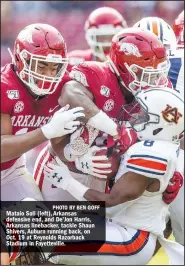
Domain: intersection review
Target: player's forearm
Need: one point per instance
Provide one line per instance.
(81, 192)
(77, 97)
(57, 147)
(13, 146)
(93, 195)
(4, 258)
(75, 94)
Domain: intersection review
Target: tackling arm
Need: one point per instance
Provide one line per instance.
(14, 146)
(62, 123)
(75, 94)
(129, 187)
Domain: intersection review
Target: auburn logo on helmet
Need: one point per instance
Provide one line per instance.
(171, 114)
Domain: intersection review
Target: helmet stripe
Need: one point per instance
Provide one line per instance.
(155, 27)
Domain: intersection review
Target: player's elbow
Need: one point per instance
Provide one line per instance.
(117, 199)
(4, 150)
(113, 200)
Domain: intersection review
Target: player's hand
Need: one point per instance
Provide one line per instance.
(92, 164)
(59, 175)
(173, 188)
(82, 139)
(63, 122)
(125, 138)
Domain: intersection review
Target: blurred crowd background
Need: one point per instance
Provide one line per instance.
(69, 18)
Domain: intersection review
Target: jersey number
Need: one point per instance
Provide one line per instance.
(148, 143)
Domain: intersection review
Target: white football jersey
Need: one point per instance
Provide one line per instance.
(154, 159)
(176, 72)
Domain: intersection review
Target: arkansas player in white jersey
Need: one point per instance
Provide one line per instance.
(102, 88)
(29, 101)
(135, 205)
(175, 50)
(101, 25)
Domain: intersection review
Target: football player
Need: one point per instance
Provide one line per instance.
(29, 116)
(137, 60)
(101, 25)
(176, 74)
(160, 28)
(135, 203)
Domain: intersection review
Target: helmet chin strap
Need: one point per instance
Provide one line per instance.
(11, 55)
(114, 70)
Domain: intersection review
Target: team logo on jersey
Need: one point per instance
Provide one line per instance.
(109, 105)
(13, 94)
(129, 49)
(171, 114)
(105, 91)
(19, 107)
(78, 76)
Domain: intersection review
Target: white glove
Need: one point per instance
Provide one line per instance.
(62, 123)
(80, 141)
(59, 175)
(93, 164)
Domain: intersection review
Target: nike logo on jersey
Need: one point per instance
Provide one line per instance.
(52, 109)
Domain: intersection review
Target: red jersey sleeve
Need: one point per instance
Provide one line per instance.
(86, 75)
(7, 97)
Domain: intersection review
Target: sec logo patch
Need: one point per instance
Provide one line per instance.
(19, 107)
(105, 91)
(108, 106)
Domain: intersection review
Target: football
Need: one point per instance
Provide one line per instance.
(114, 160)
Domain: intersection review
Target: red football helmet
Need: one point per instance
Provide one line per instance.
(178, 28)
(40, 43)
(101, 25)
(139, 59)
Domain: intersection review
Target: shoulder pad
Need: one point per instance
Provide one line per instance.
(83, 72)
(78, 76)
(147, 162)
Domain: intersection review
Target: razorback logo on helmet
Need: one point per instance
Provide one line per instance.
(25, 37)
(129, 49)
(171, 114)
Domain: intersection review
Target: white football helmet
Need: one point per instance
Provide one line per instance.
(162, 29)
(159, 115)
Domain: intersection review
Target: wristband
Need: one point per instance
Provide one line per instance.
(104, 123)
(76, 189)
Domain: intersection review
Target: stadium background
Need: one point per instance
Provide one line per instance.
(69, 18)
